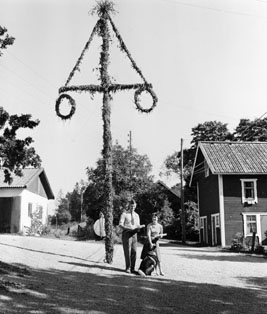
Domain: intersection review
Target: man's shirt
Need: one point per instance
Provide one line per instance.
(129, 220)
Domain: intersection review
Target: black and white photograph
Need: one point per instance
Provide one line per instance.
(133, 156)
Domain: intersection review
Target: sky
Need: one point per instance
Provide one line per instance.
(206, 60)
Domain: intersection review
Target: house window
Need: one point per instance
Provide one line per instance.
(30, 210)
(255, 222)
(251, 224)
(249, 191)
(39, 211)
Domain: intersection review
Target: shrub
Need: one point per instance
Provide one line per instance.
(259, 250)
(237, 242)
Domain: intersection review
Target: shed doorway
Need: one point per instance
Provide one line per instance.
(5, 214)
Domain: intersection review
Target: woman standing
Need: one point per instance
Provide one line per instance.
(154, 233)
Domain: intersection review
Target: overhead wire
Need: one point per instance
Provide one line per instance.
(223, 11)
(32, 70)
(44, 93)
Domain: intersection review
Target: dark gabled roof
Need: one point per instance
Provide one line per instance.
(29, 174)
(235, 157)
(174, 191)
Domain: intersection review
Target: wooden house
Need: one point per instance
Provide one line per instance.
(231, 181)
(22, 198)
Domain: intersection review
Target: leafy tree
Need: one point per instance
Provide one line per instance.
(255, 130)
(18, 153)
(5, 39)
(75, 201)
(130, 176)
(192, 215)
(166, 215)
(210, 131)
(207, 131)
(62, 215)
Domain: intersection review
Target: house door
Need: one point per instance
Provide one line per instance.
(215, 229)
(203, 230)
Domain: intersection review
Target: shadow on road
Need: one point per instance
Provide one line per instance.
(43, 252)
(53, 291)
(227, 257)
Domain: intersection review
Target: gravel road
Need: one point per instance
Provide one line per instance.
(44, 275)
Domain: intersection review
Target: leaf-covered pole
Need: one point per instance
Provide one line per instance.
(107, 139)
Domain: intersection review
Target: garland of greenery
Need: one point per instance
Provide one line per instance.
(72, 103)
(96, 88)
(124, 49)
(137, 99)
(79, 61)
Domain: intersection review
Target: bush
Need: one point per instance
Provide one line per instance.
(259, 250)
(237, 243)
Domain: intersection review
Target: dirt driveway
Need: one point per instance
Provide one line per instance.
(57, 276)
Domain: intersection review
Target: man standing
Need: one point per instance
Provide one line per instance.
(130, 224)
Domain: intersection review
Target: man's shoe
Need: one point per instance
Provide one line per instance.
(128, 271)
(134, 272)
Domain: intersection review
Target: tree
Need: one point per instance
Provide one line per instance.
(207, 131)
(5, 39)
(130, 176)
(62, 215)
(255, 130)
(75, 201)
(18, 153)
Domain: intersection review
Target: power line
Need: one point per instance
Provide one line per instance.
(223, 11)
(23, 79)
(32, 70)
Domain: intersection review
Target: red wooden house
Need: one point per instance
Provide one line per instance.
(231, 181)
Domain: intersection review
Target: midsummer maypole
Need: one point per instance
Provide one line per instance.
(103, 28)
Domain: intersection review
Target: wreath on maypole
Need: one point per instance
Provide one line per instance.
(137, 94)
(72, 104)
(104, 7)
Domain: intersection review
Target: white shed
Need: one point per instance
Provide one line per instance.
(22, 198)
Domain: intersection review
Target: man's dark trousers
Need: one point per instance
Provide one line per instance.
(129, 243)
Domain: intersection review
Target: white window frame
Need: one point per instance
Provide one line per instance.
(202, 219)
(217, 225)
(258, 224)
(249, 200)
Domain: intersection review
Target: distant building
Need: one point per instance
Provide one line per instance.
(22, 198)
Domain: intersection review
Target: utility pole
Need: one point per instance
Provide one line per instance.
(82, 191)
(130, 157)
(182, 194)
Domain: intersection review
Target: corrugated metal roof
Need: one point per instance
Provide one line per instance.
(20, 182)
(235, 157)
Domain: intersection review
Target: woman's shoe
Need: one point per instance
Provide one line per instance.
(141, 273)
